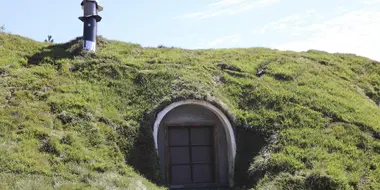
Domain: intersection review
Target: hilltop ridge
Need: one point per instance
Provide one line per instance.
(70, 119)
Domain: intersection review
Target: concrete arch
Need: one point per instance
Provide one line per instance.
(230, 136)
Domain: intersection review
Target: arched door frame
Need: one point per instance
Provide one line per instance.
(231, 143)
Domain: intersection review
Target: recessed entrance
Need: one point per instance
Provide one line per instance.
(196, 145)
(191, 155)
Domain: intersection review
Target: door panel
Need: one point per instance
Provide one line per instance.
(181, 174)
(202, 173)
(180, 155)
(178, 137)
(201, 155)
(201, 136)
(191, 155)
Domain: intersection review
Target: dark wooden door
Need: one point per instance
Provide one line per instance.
(190, 155)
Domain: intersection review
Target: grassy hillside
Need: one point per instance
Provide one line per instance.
(70, 119)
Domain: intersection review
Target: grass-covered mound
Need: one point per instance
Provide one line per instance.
(70, 119)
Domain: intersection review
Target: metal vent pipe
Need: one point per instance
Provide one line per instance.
(90, 19)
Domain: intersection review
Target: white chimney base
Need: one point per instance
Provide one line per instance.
(90, 46)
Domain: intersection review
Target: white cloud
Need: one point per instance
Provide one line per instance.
(280, 25)
(310, 11)
(284, 22)
(290, 22)
(227, 7)
(371, 2)
(226, 3)
(228, 39)
(355, 32)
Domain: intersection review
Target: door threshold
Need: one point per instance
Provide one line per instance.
(199, 187)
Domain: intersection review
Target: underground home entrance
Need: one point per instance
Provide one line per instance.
(196, 145)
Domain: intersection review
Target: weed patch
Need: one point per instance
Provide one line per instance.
(76, 120)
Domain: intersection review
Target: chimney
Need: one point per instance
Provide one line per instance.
(90, 19)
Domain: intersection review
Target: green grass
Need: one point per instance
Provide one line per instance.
(71, 119)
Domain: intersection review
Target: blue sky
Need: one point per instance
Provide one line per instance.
(347, 26)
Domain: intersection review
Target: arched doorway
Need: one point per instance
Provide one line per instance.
(196, 145)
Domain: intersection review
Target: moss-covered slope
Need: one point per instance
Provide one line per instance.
(69, 119)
